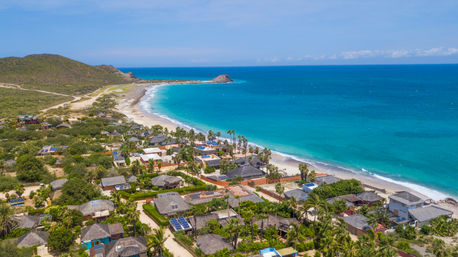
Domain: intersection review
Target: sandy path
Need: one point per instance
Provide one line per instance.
(26, 193)
(176, 249)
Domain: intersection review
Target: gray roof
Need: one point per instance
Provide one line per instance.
(213, 163)
(125, 247)
(245, 171)
(98, 231)
(133, 139)
(112, 181)
(298, 194)
(131, 178)
(428, 213)
(33, 238)
(58, 184)
(369, 197)
(253, 160)
(234, 202)
(165, 180)
(89, 208)
(326, 179)
(356, 221)
(211, 243)
(277, 221)
(63, 125)
(27, 221)
(406, 198)
(158, 139)
(171, 204)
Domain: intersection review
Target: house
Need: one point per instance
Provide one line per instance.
(144, 158)
(272, 252)
(223, 217)
(27, 221)
(328, 179)
(211, 243)
(216, 163)
(58, 184)
(282, 224)
(204, 150)
(100, 234)
(96, 209)
(251, 160)
(239, 193)
(133, 140)
(356, 224)
(115, 134)
(118, 159)
(308, 187)
(33, 238)
(422, 216)
(110, 183)
(166, 181)
(402, 202)
(245, 172)
(369, 197)
(158, 140)
(28, 119)
(126, 247)
(297, 194)
(352, 198)
(171, 204)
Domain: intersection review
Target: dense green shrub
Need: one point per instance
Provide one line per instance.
(153, 213)
(342, 187)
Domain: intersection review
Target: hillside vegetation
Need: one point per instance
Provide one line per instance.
(15, 101)
(58, 74)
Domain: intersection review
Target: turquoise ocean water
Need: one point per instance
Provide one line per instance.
(396, 121)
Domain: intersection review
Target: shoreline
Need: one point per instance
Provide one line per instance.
(131, 106)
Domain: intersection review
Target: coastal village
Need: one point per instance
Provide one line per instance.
(91, 182)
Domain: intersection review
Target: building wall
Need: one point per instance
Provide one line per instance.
(90, 244)
(402, 209)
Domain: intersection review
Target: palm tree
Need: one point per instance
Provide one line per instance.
(157, 240)
(6, 220)
(233, 229)
(313, 201)
(303, 168)
(247, 215)
(293, 204)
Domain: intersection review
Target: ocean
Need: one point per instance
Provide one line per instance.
(394, 121)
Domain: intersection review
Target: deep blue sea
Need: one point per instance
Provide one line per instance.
(397, 121)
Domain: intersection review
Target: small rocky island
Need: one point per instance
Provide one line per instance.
(224, 78)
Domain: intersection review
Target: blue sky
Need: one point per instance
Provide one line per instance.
(129, 33)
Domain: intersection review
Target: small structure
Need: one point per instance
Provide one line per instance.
(333, 199)
(180, 224)
(133, 140)
(166, 181)
(110, 183)
(211, 243)
(100, 234)
(126, 247)
(97, 209)
(146, 157)
(402, 202)
(298, 194)
(369, 197)
(352, 199)
(17, 202)
(205, 150)
(28, 119)
(52, 150)
(171, 204)
(245, 172)
(328, 179)
(308, 187)
(118, 159)
(282, 224)
(33, 238)
(204, 197)
(58, 184)
(356, 224)
(251, 160)
(422, 216)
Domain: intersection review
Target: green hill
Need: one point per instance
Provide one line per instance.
(58, 74)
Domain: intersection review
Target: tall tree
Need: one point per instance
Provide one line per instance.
(157, 240)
